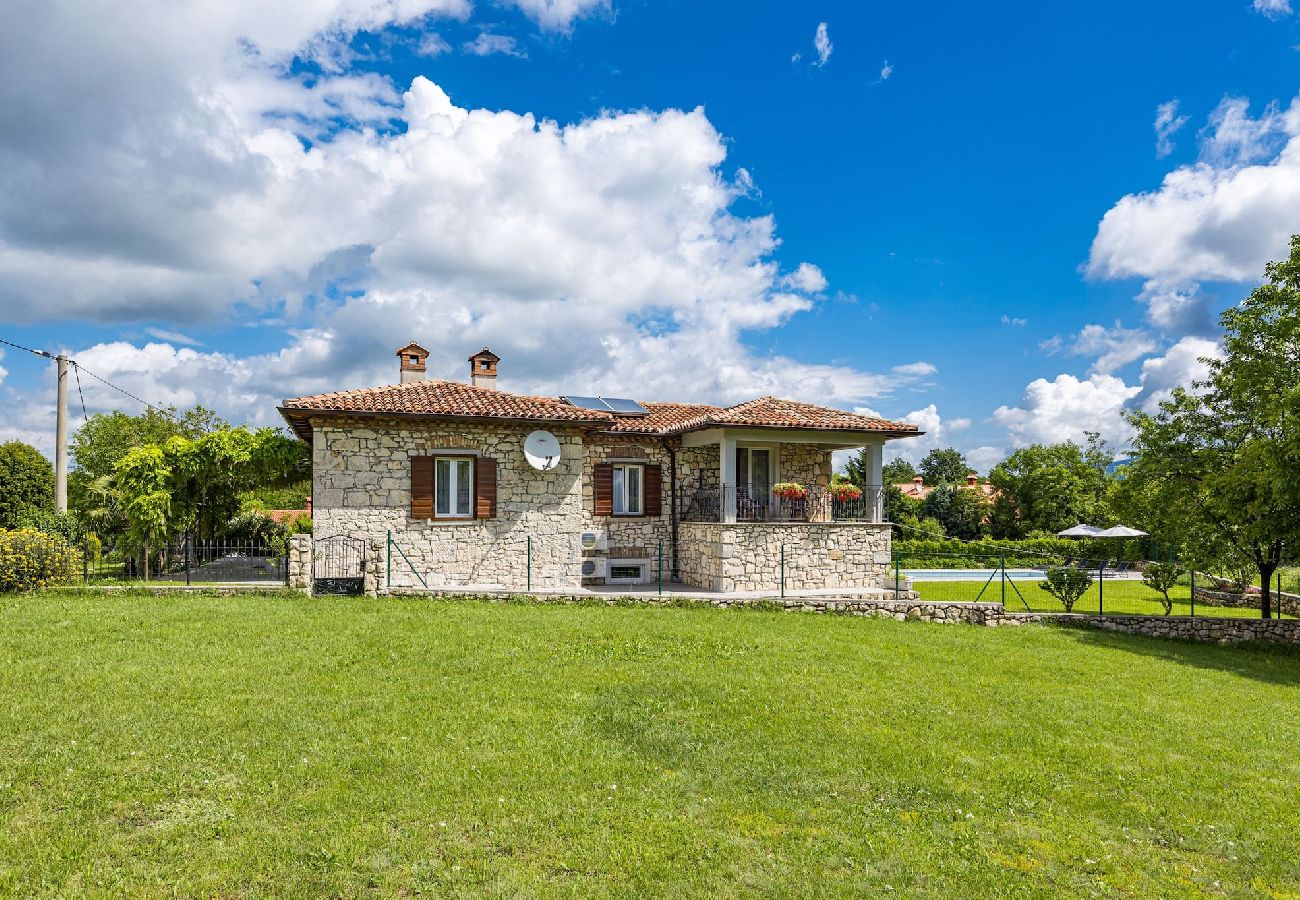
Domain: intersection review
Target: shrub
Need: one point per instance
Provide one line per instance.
(1160, 577)
(1066, 584)
(31, 560)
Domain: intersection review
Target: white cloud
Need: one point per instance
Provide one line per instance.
(1177, 309)
(1113, 348)
(1167, 124)
(432, 44)
(172, 337)
(982, 459)
(885, 71)
(806, 278)
(4, 373)
(558, 15)
(939, 432)
(1219, 219)
(1273, 8)
(1181, 366)
(1019, 323)
(488, 44)
(823, 45)
(1064, 408)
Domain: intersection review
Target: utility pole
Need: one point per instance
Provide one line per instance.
(61, 439)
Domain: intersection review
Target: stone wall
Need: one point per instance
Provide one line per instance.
(629, 537)
(1205, 630)
(804, 463)
(746, 556)
(1288, 603)
(299, 561)
(361, 488)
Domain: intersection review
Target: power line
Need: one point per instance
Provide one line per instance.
(124, 391)
(76, 370)
(44, 353)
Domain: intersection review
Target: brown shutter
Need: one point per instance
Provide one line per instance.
(422, 487)
(654, 491)
(603, 489)
(485, 488)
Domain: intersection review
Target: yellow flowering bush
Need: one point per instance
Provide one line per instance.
(31, 560)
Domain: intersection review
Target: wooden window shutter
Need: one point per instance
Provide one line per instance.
(485, 488)
(654, 491)
(422, 487)
(603, 489)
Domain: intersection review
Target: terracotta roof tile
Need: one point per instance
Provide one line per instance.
(446, 398)
(454, 399)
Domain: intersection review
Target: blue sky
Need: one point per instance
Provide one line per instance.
(1006, 222)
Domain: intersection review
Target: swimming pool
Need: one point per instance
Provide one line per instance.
(969, 574)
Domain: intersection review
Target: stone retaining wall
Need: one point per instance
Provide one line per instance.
(818, 555)
(1289, 603)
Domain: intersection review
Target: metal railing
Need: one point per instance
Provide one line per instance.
(719, 502)
(187, 561)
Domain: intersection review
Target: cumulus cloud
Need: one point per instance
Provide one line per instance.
(885, 71)
(1113, 347)
(558, 15)
(822, 44)
(1219, 219)
(983, 458)
(1183, 365)
(1167, 124)
(1177, 309)
(1017, 322)
(1064, 408)
(173, 337)
(1273, 8)
(939, 432)
(215, 184)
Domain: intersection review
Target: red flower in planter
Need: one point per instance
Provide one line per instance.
(790, 490)
(844, 492)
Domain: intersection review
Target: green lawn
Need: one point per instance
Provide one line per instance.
(1122, 596)
(257, 745)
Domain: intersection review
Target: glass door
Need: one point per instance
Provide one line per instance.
(753, 482)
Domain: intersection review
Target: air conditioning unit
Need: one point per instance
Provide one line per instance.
(594, 567)
(594, 539)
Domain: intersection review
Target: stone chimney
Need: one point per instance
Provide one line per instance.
(412, 357)
(483, 369)
(919, 481)
(309, 506)
(972, 480)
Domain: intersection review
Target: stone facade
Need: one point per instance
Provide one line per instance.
(362, 489)
(1288, 603)
(747, 556)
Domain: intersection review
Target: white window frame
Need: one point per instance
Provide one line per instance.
(453, 491)
(620, 492)
(642, 565)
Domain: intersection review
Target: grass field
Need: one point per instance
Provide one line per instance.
(1126, 596)
(257, 745)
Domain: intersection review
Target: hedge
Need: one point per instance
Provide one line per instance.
(31, 560)
(950, 553)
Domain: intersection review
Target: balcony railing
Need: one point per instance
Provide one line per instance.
(712, 503)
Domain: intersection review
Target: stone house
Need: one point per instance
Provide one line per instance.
(433, 477)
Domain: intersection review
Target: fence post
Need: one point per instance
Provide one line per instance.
(528, 575)
(1277, 602)
(1002, 564)
(388, 560)
(895, 576)
(188, 538)
(1101, 588)
(85, 560)
(783, 571)
(661, 567)
(1192, 576)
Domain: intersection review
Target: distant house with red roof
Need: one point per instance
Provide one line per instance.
(467, 485)
(917, 489)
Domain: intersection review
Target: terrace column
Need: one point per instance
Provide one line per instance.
(875, 481)
(727, 477)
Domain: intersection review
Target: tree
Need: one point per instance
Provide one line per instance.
(898, 471)
(99, 444)
(1220, 463)
(1048, 487)
(1066, 584)
(945, 466)
(1161, 577)
(960, 510)
(26, 482)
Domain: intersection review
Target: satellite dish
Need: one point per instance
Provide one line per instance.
(542, 451)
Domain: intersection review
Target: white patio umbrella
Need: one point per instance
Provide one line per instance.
(1120, 531)
(1080, 531)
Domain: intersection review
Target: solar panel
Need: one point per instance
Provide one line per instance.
(587, 403)
(625, 407)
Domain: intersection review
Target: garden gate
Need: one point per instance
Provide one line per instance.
(338, 565)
